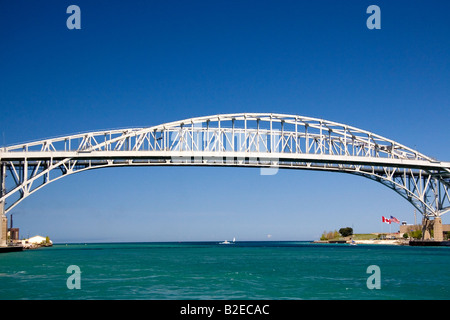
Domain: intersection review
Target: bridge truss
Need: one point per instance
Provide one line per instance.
(246, 140)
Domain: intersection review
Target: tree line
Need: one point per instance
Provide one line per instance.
(343, 232)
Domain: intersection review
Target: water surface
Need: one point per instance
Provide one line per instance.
(208, 270)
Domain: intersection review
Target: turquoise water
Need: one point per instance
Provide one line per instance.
(207, 270)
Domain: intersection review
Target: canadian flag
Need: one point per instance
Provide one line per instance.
(385, 220)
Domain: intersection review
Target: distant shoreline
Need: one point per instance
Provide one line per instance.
(368, 238)
(175, 242)
(398, 242)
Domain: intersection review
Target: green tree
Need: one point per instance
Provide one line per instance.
(345, 232)
(417, 234)
(327, 235)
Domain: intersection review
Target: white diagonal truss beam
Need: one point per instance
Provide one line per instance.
(247, 140)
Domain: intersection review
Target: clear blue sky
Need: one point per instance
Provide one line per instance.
(143, 63)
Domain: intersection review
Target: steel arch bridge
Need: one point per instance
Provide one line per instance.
(245, 140)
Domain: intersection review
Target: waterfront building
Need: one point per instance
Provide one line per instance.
(36, 241)
(408, 228)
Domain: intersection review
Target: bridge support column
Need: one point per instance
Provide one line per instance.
(438, 231)
(3, 225)
(3, 219)
(426, 226)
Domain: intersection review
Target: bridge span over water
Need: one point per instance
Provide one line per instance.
(264, 140)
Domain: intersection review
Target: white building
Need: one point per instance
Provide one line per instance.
(36, 240)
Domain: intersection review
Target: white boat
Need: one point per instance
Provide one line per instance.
(227, 242)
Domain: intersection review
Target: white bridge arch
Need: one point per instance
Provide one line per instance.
(244, 139)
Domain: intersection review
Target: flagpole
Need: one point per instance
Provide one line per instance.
(389, 227)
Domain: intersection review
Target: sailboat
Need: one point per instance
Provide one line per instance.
(227, 242)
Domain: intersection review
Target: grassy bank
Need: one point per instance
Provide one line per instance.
(357, 236)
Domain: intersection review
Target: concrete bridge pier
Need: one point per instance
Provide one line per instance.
(438, 230)
(436, 226)
(3, 219)
(3, 225)
(426, 227)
